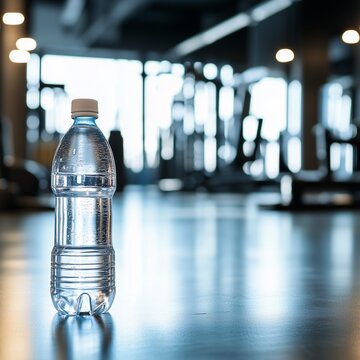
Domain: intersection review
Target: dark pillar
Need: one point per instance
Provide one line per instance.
(357, 85)
(2, 167)
(13, 80)
(314, 73)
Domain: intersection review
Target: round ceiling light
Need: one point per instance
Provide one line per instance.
(350, 37)
(284, 55)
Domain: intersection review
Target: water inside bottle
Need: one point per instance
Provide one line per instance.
(83, 279)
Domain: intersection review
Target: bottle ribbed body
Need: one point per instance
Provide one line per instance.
(82, 261)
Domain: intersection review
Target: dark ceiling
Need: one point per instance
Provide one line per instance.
(161, 29)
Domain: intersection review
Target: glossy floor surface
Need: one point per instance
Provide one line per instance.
(198, 276)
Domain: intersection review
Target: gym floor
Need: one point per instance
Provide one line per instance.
(198, 276)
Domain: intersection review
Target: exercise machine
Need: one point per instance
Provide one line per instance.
(325, 187)
(22, 182)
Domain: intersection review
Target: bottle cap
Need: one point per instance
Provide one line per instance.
(84, 107)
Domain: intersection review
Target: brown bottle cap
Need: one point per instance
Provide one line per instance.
(84, 107)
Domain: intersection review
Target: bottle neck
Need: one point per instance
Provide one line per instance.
(85, 120)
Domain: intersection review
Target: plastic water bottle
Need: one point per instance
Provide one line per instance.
(83, 179)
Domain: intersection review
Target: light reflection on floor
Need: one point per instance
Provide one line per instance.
(198, 275)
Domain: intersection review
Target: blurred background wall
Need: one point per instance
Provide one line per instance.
(188, 88)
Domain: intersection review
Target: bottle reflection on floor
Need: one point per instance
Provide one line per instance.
(85, 337)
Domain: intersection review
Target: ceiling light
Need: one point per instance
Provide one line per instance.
(229, 26)
(269, 8)
(213, 34)
(13, 18)
(350, 37)
(19, 56)
(27, 44)
(284, 55)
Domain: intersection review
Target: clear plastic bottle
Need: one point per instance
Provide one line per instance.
(83, 179)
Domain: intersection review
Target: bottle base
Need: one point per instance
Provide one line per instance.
(82, 279)
(82, 303)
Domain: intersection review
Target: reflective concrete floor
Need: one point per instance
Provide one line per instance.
(199, 276)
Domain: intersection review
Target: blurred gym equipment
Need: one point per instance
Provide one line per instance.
(117, 145)
(22, 182)
(236, 174)
(184, 149)
(5, 196)
(325, 187)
